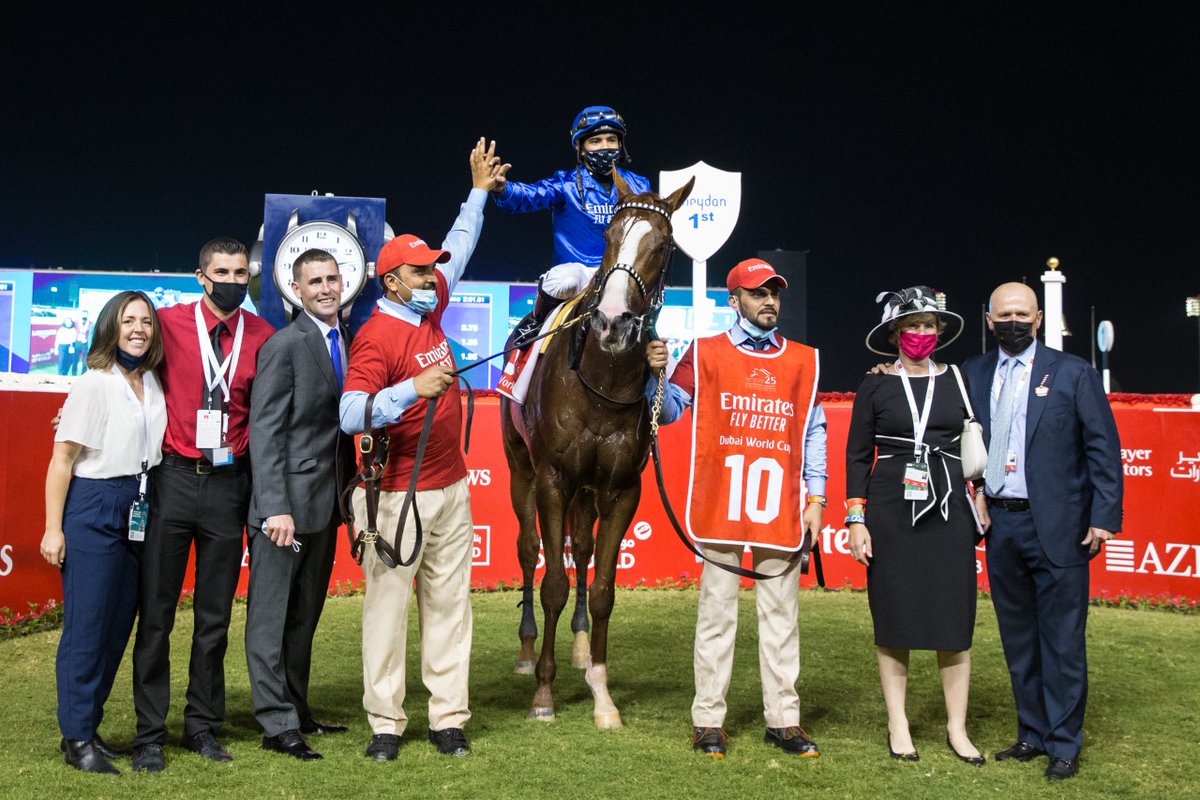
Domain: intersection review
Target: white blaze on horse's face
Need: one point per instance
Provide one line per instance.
(614, 302)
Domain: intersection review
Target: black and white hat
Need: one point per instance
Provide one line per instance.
(913, 300)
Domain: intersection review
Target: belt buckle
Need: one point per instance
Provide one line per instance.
(203, 468)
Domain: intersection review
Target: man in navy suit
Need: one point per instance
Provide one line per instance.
(1053, 496)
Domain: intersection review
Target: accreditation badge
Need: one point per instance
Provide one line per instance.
(208, 428)
(139, 519)
(916, 481)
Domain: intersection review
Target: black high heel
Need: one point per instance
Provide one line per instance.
(913, 756)
(974, 761)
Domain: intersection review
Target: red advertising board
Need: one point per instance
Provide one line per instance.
(1157, 554)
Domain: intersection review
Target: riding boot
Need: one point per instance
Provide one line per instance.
(531, 324)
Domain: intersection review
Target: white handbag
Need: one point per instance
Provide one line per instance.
(972, 450)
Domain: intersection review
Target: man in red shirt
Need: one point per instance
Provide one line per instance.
(402, 357)
(199, 494)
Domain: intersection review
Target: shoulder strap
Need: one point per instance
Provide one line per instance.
(962, 388)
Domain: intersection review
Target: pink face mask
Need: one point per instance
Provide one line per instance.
(917, 346)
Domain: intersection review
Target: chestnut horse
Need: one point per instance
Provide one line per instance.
(577, 446)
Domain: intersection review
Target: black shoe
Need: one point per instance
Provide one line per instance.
(974, 761)
(291, 743)
(82, 754)
(1062, 768)
(913, 756)
(148, 758)
(792, 739)
(207, 745)
(107, 749)
(383, 746)
(319, 728)
(450, 741)
(710, 741)
(1021, 751)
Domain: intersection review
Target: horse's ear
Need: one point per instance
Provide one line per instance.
(679, 195)
(623, 190)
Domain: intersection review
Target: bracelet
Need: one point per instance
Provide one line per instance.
(855, 501)
(818, 498)
(853, 518)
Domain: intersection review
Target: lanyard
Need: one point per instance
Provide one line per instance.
(144, 405)
(921, 421)
(208, 358)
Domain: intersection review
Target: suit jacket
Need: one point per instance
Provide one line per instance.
(300, 458)
(1072, 452)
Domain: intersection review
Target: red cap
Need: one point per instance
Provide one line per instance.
(408, 249)
(751, 274)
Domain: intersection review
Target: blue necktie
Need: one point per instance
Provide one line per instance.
(335, 353)
(1001, 427)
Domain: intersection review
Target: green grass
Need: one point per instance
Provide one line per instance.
(1142, 726)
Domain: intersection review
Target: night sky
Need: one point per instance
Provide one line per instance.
(898, 144)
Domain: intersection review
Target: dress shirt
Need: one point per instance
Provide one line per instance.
(325, 329)
(183, 374)
(1014, 482)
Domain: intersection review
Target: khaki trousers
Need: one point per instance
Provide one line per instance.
(778, 638)
(443, 581)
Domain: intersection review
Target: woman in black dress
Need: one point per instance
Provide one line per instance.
(909, 518)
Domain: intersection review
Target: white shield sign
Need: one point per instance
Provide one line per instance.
(706, 219)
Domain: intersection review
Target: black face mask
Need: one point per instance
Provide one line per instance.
(601, 162)
(130, 363)
(228, 296)
(1013, 335)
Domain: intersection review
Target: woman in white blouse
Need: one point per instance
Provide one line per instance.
(109, 436)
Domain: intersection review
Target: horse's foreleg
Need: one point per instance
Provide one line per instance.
(621, 506)
(555, 587)
(524, 505)
(583, 523)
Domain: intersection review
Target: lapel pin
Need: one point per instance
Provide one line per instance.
(1042, 389)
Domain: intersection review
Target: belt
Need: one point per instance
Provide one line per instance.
(1007, 503)
(202, 466)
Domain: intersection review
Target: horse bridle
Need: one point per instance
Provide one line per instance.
(642, 322)
(656, 302)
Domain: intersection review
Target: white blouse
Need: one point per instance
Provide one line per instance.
(104, 416)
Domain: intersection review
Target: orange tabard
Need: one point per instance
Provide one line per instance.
(750, 414)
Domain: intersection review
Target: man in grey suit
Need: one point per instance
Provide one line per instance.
(300, 460)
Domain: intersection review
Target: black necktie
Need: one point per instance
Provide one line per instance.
(216, 397)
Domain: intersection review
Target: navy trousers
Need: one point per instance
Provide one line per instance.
(100, 592)
(1042, 611)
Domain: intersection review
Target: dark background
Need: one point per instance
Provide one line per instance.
(956, 145)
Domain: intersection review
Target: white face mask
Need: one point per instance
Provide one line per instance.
(752, 329)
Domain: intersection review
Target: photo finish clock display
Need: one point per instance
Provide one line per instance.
(351, 229)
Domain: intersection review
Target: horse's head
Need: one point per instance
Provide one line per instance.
(630, 280)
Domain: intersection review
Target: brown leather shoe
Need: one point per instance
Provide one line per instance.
(710, 741)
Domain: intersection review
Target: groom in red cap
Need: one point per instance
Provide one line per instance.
(756, 430)
(402, 358)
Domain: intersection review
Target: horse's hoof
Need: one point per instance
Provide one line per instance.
(608, 719)
(581, 653)
(524, 668)
(542, 713)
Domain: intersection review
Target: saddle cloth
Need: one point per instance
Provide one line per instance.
(518, 369)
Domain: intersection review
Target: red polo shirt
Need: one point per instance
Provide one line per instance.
(182, 374)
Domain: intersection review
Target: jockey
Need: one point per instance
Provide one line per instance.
(582, 201)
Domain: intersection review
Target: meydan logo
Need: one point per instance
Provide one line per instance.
(760, 378)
